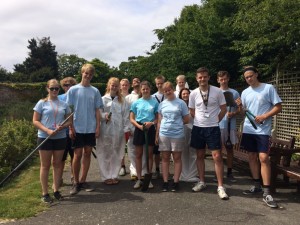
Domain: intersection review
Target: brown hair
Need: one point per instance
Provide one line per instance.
(202, 70)
(70, 80)
(147, 83)
(223, 73)
(168, 84)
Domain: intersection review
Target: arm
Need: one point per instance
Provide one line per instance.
(186, 119)
(98, 118)
(222, 112)
(134, 123)
(36, 120)
(157, 128)
(274, 111)
(192, 112)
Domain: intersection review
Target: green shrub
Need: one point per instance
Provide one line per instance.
(17, 140)
(17, 111)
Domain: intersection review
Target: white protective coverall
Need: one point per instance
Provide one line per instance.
(111, 142)
(189, 171)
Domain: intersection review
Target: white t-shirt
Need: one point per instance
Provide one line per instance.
(207, 116)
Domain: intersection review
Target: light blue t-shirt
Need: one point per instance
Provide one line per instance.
(62, 97)
(224, 122)
(144, 109)
(52, 114)
(172, 113)
(85, 100)
(259, 100)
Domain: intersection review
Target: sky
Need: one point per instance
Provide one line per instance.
(110, 30)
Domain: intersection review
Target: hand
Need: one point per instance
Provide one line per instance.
(260, 119)
(147, 125)
(238, 101)
(97, 132)
(156, 140)
(230, 114)
(72, 133)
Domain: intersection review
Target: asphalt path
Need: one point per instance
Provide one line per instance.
(121, 204)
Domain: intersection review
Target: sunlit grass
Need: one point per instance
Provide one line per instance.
(21, 196)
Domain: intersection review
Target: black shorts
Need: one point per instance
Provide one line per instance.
(52, 144)
(256, 143)
(82, 140)
(139, 136)
(68, 149)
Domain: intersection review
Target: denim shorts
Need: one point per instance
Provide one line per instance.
(206, 136)
(256, 143)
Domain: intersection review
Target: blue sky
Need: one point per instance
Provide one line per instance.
(111, 30)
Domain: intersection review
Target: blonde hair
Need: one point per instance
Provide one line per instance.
(125, 80)
(179, 77)
(114, 80)
(88, 68)
(49, 82)
(70, 80)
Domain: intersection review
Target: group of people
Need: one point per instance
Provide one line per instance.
(175, 123)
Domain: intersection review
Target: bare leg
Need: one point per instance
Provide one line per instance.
(45, 158)
(86, 161)
(265, 168)
(201, 163)
(177, 165)
(77, 163)
(219, 167)
(165, 165)
(57, 168)
(254, 164)
(138, 160)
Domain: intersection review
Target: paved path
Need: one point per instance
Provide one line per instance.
(121, 204)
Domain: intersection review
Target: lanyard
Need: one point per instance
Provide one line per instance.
(55, 111)
(205, 97)
(158, 99)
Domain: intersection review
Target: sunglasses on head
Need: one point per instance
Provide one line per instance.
(67, 85)
(54, 89)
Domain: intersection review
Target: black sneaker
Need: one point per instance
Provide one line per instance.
(175, 187)
(231, 178)
(253, 190)
(46, 198)
(86, 187)
(165, 187)
(58, 196)
(270, 201)
(75, 189)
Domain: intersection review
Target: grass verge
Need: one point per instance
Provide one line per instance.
(20, 197)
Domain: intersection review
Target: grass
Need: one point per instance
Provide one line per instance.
(20, 197)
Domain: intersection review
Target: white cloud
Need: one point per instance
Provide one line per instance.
(111, 30)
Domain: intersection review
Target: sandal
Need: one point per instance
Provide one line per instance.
(115, 181)
(108, 181)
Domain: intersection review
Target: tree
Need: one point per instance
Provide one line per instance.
(4, 74)
(42, 54)
(270, 33)
(69, 65)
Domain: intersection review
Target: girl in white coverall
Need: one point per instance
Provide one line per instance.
(114, 124)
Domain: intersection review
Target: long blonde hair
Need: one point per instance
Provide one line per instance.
(49, 82)
(118, 93)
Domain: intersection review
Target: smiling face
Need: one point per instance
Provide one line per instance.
(223, 81)
(145, 91)
(114, 87)
(124, 86)
(202, 79)
(53, 88)
(185, 94)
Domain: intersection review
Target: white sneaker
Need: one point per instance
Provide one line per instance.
(138, 184)
(222, 194)
(122, 171)
(199, 187)
(150, 185)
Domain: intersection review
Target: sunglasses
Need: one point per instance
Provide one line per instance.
(54, 89)
(67, 85)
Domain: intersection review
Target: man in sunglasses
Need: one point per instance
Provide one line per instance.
(262, 100)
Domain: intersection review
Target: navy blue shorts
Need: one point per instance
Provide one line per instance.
(256, 143)
(52, 144)
(82, 140)
(202, 136)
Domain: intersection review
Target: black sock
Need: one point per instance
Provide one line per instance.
(257, 183)
(229, 171)
(266, 190)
